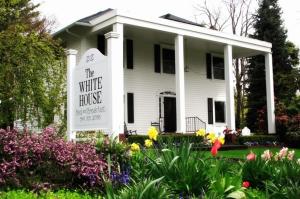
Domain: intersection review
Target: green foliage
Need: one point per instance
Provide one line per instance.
(61, 194)
(147, 189)
(280, 171)
(183, 170)
(261, 139)
(226, 187)
(257, 172)
(269, 27)
(32, 67)
(283, 191)
(292, 139)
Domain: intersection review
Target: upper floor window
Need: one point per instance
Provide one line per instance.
(218, 67)
(214, 67)
(168, 60)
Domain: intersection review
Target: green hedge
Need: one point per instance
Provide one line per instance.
(292, 139)
(261, 139)
(174, 137)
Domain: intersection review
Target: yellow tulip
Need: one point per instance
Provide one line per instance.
(222, 140)
(134, 147)
(201, 132)
(148, 143)
(152, 133)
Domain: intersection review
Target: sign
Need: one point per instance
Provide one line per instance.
(91, 92)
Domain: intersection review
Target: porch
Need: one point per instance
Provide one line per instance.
(141, 51)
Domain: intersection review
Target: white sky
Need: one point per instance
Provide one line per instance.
(68, 11)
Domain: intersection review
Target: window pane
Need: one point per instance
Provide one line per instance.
(130, 108)
(218, 68)
(220, 112)
(168, 59)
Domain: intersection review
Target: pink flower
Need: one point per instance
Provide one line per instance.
(251, 156)
(283, 152)
(246, 184)
(290, 155)
(267, 155)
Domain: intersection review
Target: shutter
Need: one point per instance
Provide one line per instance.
(208, 66)
(101, 44)
(157, 58)
(130, 108)
(210, 110)
(129, 53)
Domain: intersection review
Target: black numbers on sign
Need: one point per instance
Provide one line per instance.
(90, 58)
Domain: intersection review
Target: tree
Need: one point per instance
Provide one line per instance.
(238, 15)
(32, 68)
(269, 27)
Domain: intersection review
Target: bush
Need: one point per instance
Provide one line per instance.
(38, 161)
(259, 139)
(292, 139)
(166, 138)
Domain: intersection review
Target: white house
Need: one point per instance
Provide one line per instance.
(168, 70)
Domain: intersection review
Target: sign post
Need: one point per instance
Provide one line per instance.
(71, 64)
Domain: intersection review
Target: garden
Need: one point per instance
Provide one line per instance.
(46, 166)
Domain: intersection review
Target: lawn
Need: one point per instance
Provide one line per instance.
(257, 150)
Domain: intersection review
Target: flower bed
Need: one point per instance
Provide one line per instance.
(149, 169)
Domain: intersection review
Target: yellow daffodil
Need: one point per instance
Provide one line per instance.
(211, 136)
(134, 147)
(201, 132)
(148, 143)
(221, 140)
(152, 133)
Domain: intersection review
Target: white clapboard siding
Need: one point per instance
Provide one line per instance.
(146, 85)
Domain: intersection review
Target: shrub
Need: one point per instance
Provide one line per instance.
(36, 161)
(165, 138)
(292, 139)
(259, 139)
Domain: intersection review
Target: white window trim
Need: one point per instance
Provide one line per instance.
(214, 111)
(165, 46)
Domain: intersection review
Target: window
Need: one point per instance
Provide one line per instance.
(218, 67)
(130, 108)
(168, 60)
(129, 53)
(219, 111)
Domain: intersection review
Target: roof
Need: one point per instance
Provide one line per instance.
(179, 19)
(94, 16)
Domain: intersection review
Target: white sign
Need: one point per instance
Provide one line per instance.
(91, 92)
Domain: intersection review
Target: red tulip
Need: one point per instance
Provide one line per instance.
(215, 147)
(246, 184)
(251, 156)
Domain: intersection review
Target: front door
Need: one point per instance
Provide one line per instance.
(170, 114)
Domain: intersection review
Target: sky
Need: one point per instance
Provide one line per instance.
(66, 12)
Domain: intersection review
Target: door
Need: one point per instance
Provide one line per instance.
(169, 114)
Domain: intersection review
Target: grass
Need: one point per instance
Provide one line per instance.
(257, 150)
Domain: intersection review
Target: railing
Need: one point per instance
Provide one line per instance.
(194, 123)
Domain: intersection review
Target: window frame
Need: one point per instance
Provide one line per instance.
(168, 47)
(212, 65)
(214, 110)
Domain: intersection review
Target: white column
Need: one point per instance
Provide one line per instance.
(230, 117)
(270, 93)
(71, 64)
(180, 89)
(115, 57)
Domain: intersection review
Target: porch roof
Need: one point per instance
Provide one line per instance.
(161, 28)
